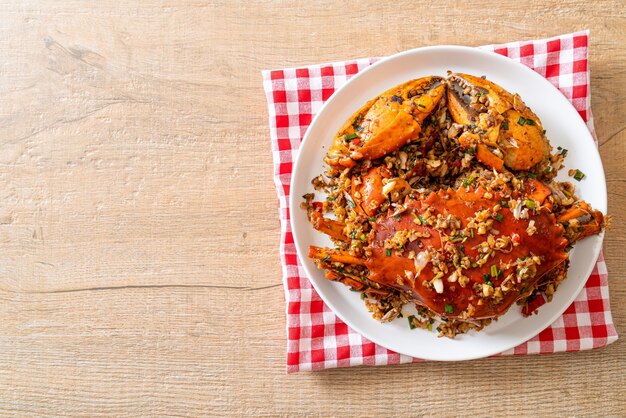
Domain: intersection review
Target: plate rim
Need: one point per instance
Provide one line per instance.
(294, 205)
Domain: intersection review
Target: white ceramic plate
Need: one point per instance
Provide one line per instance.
(564, 128)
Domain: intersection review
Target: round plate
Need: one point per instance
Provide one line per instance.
(564, 128)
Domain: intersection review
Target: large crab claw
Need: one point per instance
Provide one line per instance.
(504, 130)
(386, 123)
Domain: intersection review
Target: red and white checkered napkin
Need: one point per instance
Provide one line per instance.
(317, 339)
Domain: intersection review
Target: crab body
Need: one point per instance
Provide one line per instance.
(430, 252)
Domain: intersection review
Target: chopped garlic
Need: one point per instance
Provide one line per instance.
(388, 187)
(438, 284)
(420, 261)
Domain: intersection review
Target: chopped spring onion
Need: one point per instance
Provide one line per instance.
(355, 124)
(430, 327)
(351, 136)
(363, 296)
(410, 318)
(421, 105)
(469, 180)
(421, 220)
(530, 203)
(579, 175)
(505, 125)
(487, 278)
(326, 258)
(351, 204)
(521, 121)
(456, 238)
(494, 271)
(504, 203)
(530, 122)
(388, 252)
(531, 175)
(372, 219)
(449, 308)
(499, 217)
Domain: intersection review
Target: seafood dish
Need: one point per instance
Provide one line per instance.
(442, 193)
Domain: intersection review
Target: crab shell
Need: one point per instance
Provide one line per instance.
(502, 121)
(394, 268)
(386, 123)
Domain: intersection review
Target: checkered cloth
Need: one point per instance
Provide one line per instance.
(317, 339)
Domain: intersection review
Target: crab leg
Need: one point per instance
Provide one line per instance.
(348, 281)
(579, 209)
(582, 221)
(339, 256)
(328, 226)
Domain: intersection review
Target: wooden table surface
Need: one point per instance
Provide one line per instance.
(139, 271)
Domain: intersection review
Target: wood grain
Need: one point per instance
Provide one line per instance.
(139, 271)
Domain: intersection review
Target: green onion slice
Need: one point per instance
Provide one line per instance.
(494, 271)
(410, 318)
(579, 175)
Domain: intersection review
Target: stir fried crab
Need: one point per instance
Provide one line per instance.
(441, 197)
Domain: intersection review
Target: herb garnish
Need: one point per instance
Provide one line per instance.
(579, 175)
(410, 318)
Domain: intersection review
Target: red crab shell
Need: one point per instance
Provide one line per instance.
(390, 267)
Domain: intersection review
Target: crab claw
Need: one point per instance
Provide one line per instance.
(386, 123)
(504, 130)
(581, 221)
(329, 227)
